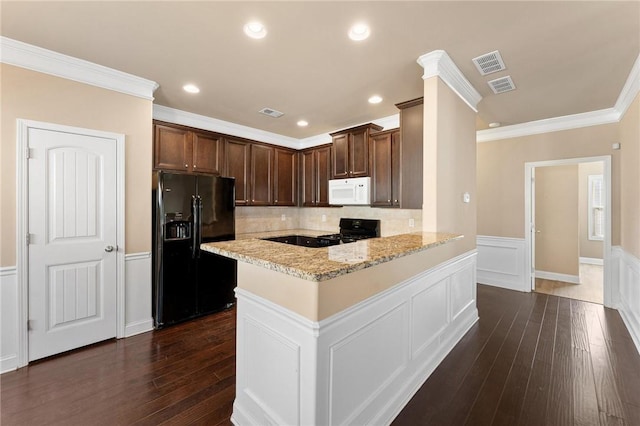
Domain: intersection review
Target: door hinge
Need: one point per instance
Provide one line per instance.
(28, 153)
(29, 325)
(29, 238)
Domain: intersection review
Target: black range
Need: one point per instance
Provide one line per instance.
(350, 230)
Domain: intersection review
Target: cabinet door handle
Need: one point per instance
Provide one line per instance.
(194, 166)
(186, 165)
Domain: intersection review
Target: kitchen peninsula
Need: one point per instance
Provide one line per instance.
(344, 334)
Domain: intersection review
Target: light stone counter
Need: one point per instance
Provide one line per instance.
(324, 263)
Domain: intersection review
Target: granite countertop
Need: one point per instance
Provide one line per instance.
(324, 263)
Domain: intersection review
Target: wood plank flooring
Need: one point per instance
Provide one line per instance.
(532, 359)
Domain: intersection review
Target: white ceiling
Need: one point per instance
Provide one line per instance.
(564, 57)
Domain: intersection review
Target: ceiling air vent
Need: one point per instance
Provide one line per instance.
(271, 112)
(501, 85)
(489, 63)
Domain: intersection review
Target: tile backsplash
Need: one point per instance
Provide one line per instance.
(259, 219)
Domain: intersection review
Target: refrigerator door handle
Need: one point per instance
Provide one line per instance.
(199, 225)
(194, 222)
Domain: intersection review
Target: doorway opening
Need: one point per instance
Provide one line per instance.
(568, 224)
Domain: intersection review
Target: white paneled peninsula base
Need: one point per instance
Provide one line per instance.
(346, 334)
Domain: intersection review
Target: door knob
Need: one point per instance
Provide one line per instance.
(108, 249)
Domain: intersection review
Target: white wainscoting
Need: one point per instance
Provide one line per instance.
(138, 273)
(360, 366)
(138, 317)
(629, 291)
(8, 319)
(502, 262)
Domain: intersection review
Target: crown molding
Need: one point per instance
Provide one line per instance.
(190, 119)
(629, 90)
(35, 58)
(575, 121)
(438, 63)
(389, 122)
(567, 122)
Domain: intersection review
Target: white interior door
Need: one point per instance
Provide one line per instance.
(532, 228)
(72, 241)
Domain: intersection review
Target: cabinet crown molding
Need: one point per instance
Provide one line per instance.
(438, 63)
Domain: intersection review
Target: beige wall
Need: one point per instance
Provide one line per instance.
(556, 219)
(41, 97)
(588, 248)
(630, 179)
(449, 165)
(501, 174)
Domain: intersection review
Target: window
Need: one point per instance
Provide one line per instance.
(596, 208)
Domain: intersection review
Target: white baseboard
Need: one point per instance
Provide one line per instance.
(501, 262)
(546, 275)
(8, 319)
(592, 261)
(629, 292)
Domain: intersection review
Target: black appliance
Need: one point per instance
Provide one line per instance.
(350, 230)
(354, 229)
(190, 210)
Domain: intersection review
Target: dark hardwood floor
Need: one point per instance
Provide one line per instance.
(532, 359)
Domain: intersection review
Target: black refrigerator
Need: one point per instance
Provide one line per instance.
(190, 210)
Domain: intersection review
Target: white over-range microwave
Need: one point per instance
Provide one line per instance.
(350, 192)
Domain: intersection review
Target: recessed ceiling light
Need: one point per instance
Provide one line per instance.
(303, 123)
(191, 88)
(255, 30)
(494, 124)
(359, 32)
(375, 99)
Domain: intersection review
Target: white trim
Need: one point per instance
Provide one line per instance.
(608, 284)
(176, 116)
(554, 276)
(628, 303)
(567, 122)
(438, 63)
(35, 58)
(8, 319)
(501, 262)
(591, 261)
(137, 294)
(22, 221)
(430, 311)
(573, 121)
(198, 121)
(630, 89)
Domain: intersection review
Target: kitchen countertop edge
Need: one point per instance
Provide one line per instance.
(387, 247)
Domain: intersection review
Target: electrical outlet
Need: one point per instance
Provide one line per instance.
(412, 223)
(283, 217)
(324, 217)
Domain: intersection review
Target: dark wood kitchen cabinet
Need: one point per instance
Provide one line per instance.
(285, 181)
(410, 158)
(181, 149)
(315, 174)
(237, 166)
(350, 151)
(385, 168)
(261, 184)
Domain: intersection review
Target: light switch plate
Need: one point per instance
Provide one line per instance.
(466, 197)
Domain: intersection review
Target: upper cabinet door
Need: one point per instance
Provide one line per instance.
(261, 175)
(340, 156)
(308, 178)
(208, 153)
(322, 175)
(359, 153)
(172, 148)
(285, 179)
(237, 166)
(381, 165)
